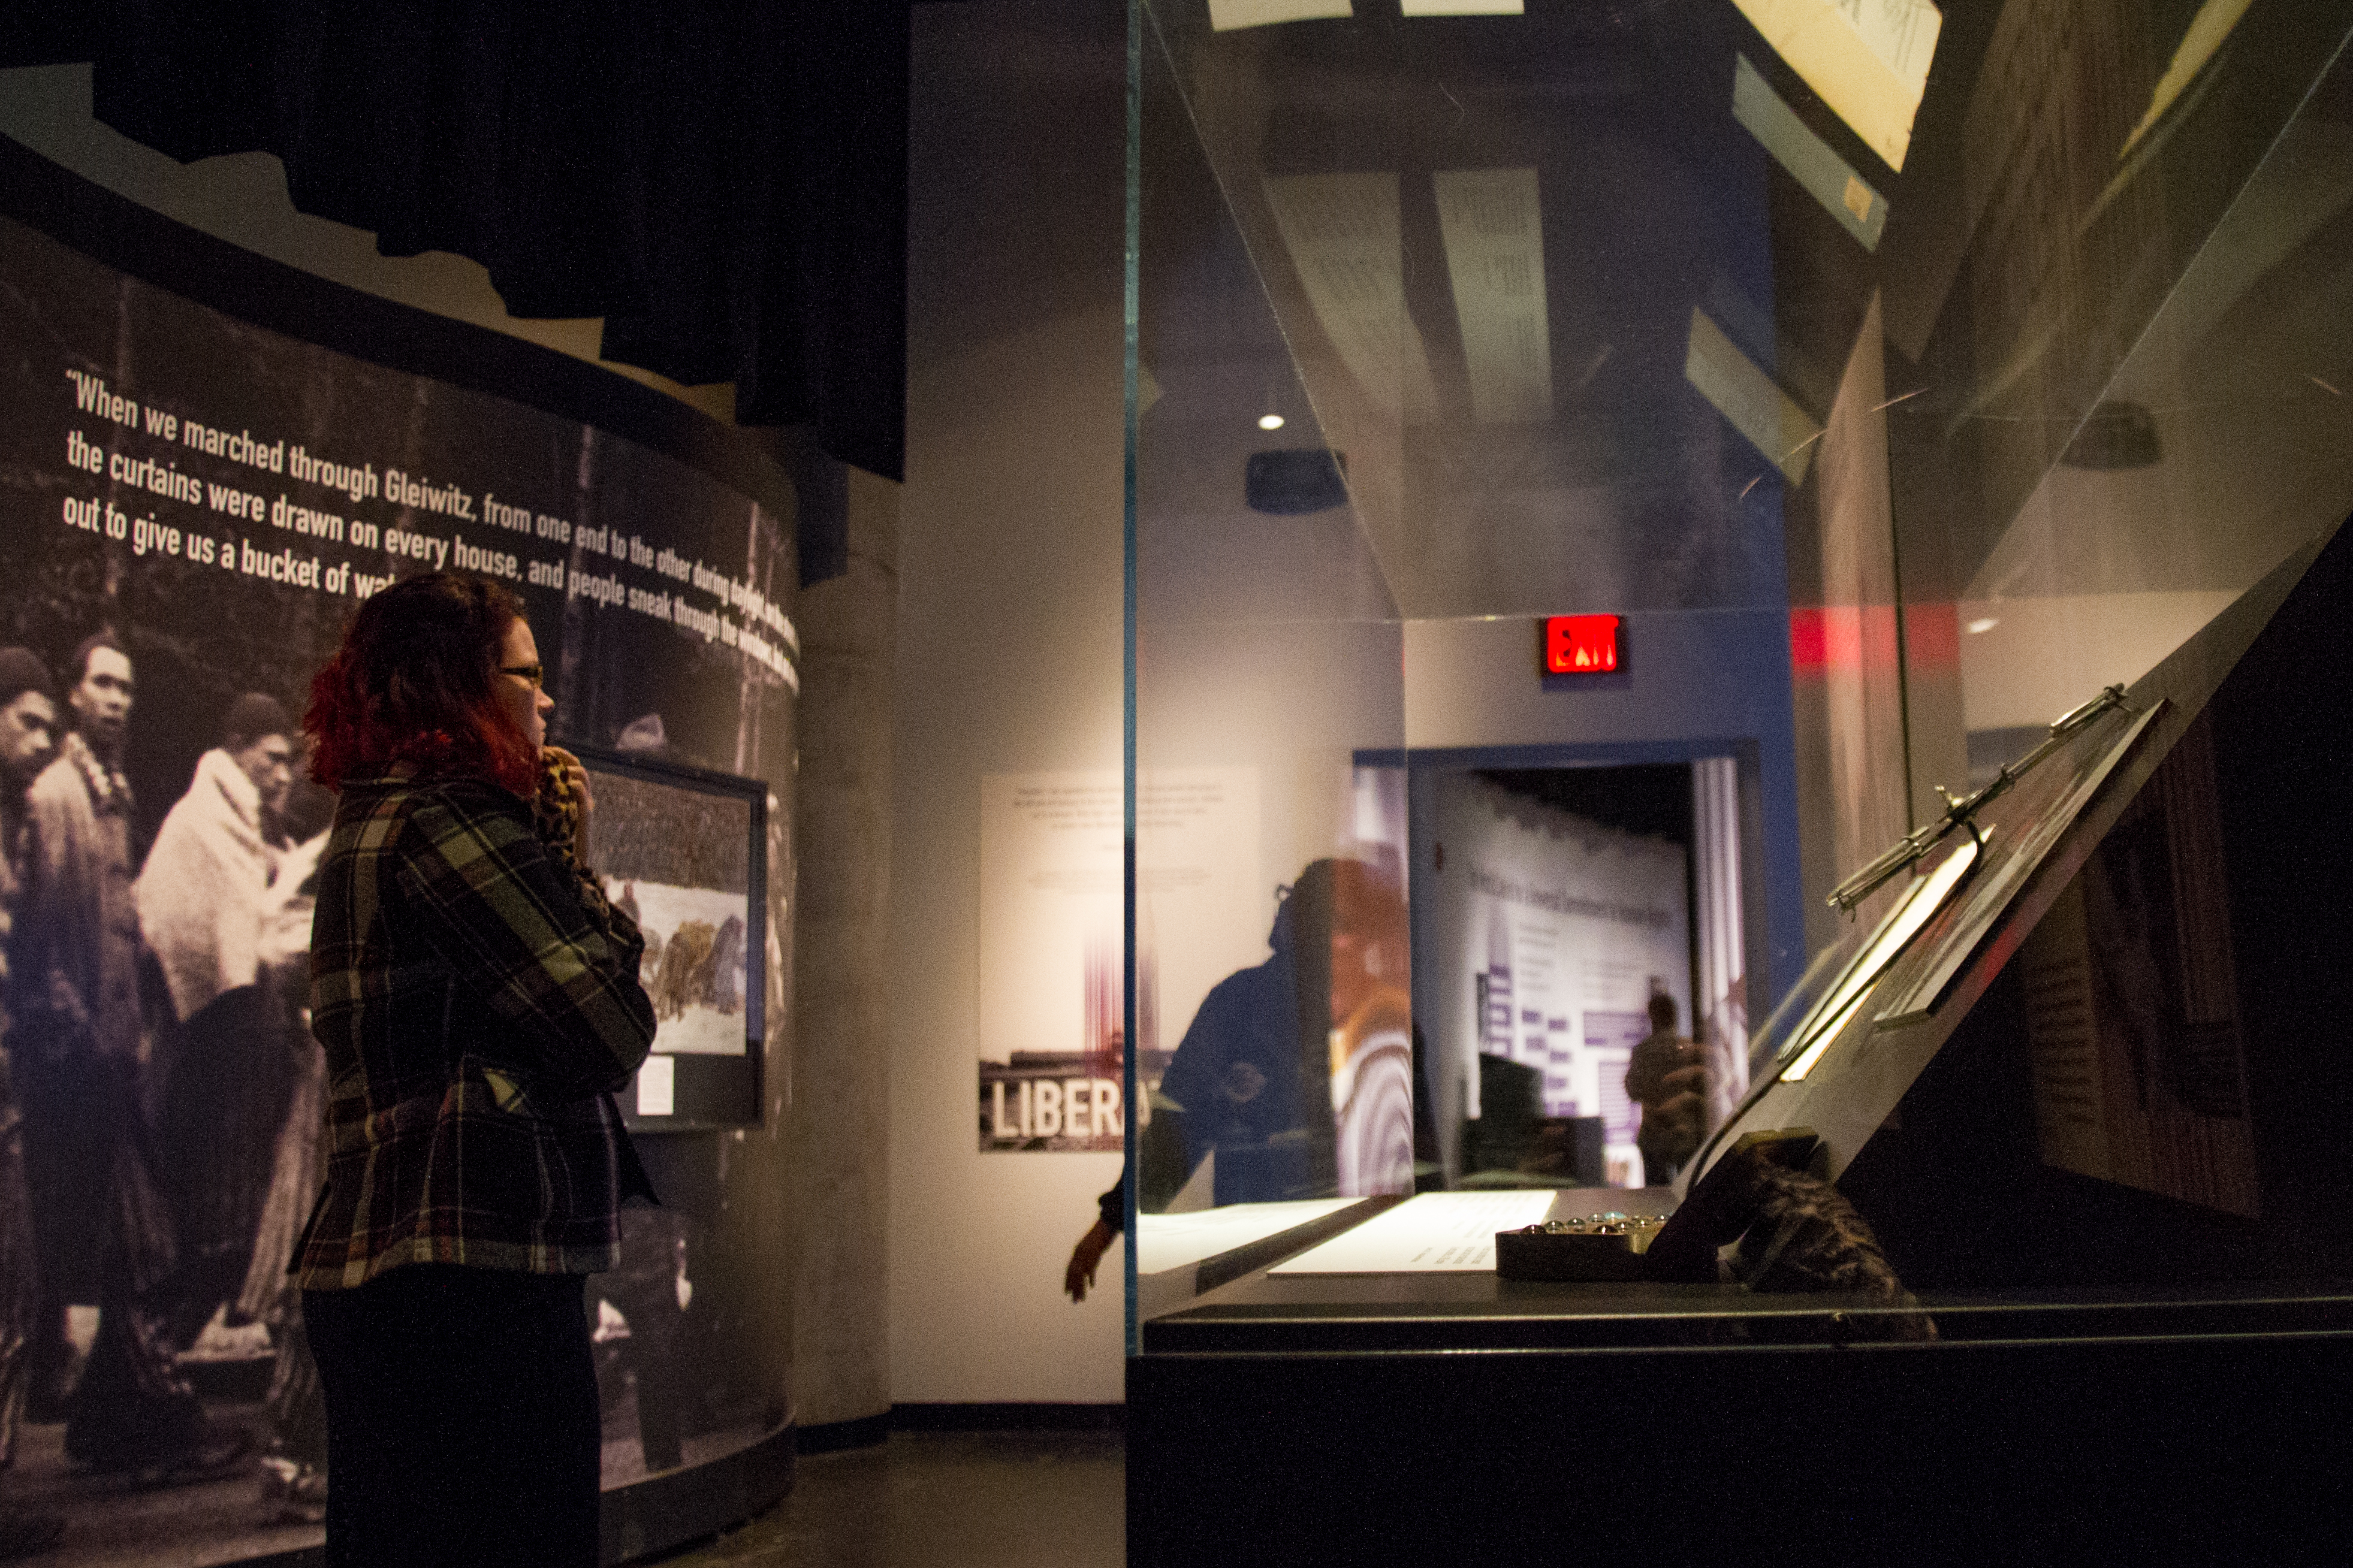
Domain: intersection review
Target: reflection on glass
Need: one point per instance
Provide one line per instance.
(1867, 58)
(2038, 819)
(1295, 1078)
(2205, 37)
(1811, 161)
(1227, 15)
(1622, 310)
(1782, 433)
(1343, 232)
(1493, 226)
(1887, 943)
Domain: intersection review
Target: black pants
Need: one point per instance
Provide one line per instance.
(463, 1421)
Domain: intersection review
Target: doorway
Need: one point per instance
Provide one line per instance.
(1557, 900)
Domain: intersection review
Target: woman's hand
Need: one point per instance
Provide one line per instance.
(577, 777)
(565, 783)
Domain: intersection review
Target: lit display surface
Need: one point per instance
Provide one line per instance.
(2036, 837)
(1429, 1233)
(1914, 910)
(1166, 1241)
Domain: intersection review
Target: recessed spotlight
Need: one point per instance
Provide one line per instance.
(1269, 422)
(1987, 624)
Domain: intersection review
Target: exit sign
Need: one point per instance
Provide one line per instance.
(1580, 645)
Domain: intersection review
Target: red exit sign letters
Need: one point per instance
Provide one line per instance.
(1580, 645)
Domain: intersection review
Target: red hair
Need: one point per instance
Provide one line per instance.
(415, 683)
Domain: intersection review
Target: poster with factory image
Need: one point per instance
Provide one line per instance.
(1549, 935)
(1052, 1015)
(190, 508)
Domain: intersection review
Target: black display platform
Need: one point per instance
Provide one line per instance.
(1396, 1418)
(1355, 1314)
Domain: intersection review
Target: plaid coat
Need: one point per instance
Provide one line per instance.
(478, 1002)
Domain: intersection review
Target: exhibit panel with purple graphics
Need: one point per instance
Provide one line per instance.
(1552, 934)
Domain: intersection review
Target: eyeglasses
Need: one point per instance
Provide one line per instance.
(534, 673)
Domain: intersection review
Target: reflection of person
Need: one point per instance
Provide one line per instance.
(1297, 1073)
(28, 718)
(478, 1000)
(1285, 1059)
(209, 900)
(1667, 1076)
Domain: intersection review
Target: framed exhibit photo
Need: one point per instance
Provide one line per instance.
(684, 851)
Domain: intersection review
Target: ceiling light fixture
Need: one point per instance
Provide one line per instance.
(1269, 422)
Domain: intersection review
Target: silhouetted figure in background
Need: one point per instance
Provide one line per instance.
(1668, 1077)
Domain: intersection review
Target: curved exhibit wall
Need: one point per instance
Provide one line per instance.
(216, 496)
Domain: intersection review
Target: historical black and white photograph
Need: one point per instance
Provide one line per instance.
(678, 860)
(190, 509)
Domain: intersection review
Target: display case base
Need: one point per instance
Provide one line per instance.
(2234, 1449)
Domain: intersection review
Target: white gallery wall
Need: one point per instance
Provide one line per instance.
(1008, 656)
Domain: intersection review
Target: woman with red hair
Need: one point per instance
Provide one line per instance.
(478, 1003)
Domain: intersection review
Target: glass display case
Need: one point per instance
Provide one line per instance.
(1602, 476)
